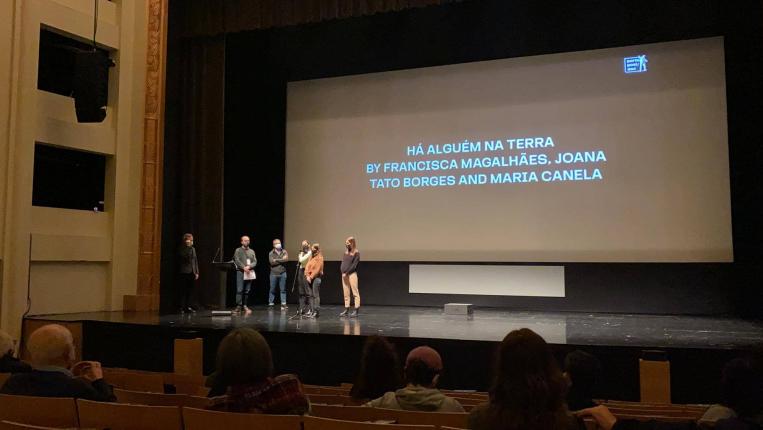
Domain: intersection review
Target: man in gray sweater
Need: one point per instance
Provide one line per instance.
(245, 261)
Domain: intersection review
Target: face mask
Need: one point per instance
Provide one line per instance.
(278, 246)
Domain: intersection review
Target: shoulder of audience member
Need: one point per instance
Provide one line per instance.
(450, 404)
(387, 400)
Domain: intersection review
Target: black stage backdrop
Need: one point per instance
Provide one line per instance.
(244, 193)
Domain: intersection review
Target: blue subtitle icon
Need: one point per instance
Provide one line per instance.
(635, 64)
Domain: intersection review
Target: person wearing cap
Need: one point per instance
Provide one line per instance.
(422, 372)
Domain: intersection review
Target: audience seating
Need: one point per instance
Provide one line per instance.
(316, 423)
(159, 399)
(9, 425)
(152, 382)
(319, 389)
(39, 411)
(115, 416)
(361, 413)
(198, 419)
(332, 399)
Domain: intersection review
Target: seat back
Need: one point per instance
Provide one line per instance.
(199, 419)
(331, 399)
(40, 411)
(352, 413)
(158, 399)
(317, 423)
(450, 419)
(117, 416)
(9, 425)
(135, 380)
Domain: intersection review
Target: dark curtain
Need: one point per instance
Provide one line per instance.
(212, 17)
(193, 154)
(194, 139)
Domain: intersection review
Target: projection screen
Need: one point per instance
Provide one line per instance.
(610, 155)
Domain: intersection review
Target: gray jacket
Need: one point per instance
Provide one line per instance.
(277, 260)
(240, 256)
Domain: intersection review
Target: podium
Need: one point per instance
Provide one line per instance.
(225, 268)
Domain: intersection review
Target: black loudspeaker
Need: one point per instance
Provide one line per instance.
(91, 84)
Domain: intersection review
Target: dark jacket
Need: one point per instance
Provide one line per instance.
(187, 260)
(57, 384)
(11, 364)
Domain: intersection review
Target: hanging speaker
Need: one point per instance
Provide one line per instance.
(91, 83)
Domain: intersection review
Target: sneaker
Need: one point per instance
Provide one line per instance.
(354, 313)
(270, 304)
(346, 311)
(284, 307)
(309, 315)
(316, 313)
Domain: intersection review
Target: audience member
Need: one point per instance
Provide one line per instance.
(742, 392)
(582, 372)
(54, 373)
(245, 367)
(8, 361)
(422, 372)
(379, 370)
(528, 390)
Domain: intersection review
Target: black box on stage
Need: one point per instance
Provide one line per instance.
(458, 309)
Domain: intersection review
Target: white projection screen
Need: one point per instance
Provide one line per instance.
(610, 155)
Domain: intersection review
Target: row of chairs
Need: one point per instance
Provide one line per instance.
(50, 412)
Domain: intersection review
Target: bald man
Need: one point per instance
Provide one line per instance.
(54, 373)
(245, 261)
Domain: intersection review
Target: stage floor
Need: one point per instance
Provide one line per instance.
(561, 328)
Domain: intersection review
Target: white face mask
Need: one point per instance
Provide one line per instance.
(278, 246)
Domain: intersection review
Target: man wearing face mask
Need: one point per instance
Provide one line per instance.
(188, 268)
(277, 257)
(245, 261)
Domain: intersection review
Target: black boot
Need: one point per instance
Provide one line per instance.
(354, 313)
(316, 313)
(346, 311)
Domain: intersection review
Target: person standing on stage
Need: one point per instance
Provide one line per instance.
(304, 294)
(349, 269)
(277, 257)
(313, 274)
(245, 261)
(188, 273)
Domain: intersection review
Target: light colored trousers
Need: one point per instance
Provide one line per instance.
(350, 283)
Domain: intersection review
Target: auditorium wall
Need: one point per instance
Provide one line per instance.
(71, 260)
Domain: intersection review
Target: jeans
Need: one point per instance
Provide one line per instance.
(242, 289)
(315, 298)
(281, 280)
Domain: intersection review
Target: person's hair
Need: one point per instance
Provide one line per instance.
(187, 236)
(279, 240)
(353, 244)
(584, 371)
(243, 357)
(528, 392)
(379, 370)
(419, 373)
(51, 344)
(316, 246)
(742, 385)
(6, 344)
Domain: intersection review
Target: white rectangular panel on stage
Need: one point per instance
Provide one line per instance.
(489, 280)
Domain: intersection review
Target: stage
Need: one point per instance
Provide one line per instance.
(328, 348)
